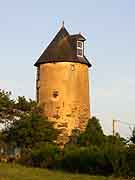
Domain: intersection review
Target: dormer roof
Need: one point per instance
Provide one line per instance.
(63, 49)
(78, 37)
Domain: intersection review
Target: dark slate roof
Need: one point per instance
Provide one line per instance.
(63, 49)
(78, 37)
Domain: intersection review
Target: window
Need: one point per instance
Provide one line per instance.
(79, 44)
(79, 52)
(72, 67)
(55, 94)
(80, 48)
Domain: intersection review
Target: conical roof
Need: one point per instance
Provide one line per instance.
(63, 49)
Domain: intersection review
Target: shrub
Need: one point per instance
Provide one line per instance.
(116, 157)
(90, 160)
(93, 135)
(122, 159)
(128, 165)
(44, 155)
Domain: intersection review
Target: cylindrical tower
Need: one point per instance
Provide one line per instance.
(63, 82)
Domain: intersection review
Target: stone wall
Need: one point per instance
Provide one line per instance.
(63, 91)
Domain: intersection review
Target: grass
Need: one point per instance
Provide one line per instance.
(18, 172)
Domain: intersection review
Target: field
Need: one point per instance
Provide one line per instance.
(17, 172)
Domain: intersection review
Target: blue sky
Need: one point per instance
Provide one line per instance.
(26, 28)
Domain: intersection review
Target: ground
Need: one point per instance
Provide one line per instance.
(17, 172)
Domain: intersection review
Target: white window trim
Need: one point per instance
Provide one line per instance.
(80, 48)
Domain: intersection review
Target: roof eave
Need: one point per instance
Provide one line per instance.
(86, 63)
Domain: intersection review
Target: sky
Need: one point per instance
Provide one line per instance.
(27, 27)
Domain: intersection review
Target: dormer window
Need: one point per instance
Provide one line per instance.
(80, 48)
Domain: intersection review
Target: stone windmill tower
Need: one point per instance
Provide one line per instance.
(63, 82)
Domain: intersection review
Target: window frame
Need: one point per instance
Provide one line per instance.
(80, 48)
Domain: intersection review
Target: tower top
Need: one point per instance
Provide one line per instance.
(64, 48)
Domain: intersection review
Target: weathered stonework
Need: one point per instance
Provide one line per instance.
(63, 83)
(63, 91)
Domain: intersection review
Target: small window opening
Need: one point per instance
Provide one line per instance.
(79, 44)
(55, 94)
(80, 48)
(72, 67)
(79, 52)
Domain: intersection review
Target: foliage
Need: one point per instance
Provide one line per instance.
(93, 134)
(115, 140)
(98, 151)
(29, 131)
(122, 160)
(74, 138)
(108, 160)
(23, 123)
(5, 102)
(44, 155)
(10, 109)
(89, 152)
(6, 107)
(129, 164)
(24, 105)
(91, 160)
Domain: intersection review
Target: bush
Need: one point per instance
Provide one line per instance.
(129, 164)
(45, 155)
(93, 135)
(91, 160)
(108, 160)
(122, 159)
(115, 155)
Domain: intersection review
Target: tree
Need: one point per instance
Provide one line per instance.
(73, 139)
(6, 106)
(10, 109)
(23, 123)
(115, 140)
(30, 131)
(93, 134)
(25, 105)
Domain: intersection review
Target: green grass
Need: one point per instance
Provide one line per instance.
(17, 172)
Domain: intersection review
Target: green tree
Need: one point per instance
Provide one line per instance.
(30, 130)
(73, 139)
(23, 123)
(46, 155)
(25, 105)
(6, 107)
(93, 134)
(116, 140)
(10, 109)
